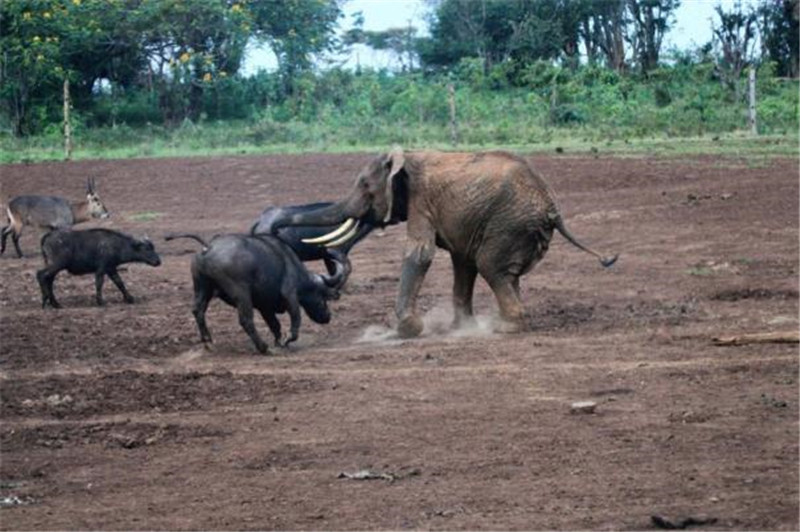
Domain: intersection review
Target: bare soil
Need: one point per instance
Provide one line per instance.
(116, 417)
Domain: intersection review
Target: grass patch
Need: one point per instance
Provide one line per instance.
(224, 139)
(144, 216)
(700, 271)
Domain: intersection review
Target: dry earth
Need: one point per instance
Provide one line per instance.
(116, 418)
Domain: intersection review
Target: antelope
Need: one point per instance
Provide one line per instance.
(49, 213)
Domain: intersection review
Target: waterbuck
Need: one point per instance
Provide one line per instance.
(48, 213)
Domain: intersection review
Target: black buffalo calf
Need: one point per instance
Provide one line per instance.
(97, 251)
(263, 273)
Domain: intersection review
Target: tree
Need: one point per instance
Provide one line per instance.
(400, 41)
(651, 20)
(605, 29)
(734, 35)
(177, 48)
(777, 22)
(47, 41)
(296, 30)
(499, 30)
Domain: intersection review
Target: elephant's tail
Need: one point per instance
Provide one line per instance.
(558, 222)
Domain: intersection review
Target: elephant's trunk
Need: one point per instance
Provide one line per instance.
(326, 216)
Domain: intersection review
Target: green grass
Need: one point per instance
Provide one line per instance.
(233, 139)
(144, 216)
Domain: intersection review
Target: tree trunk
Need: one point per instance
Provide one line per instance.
(751, 108)
(451, 98)
(67, 125)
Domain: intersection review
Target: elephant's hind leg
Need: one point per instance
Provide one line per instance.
(511, 310)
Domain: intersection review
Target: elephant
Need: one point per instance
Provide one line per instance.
(490, 210)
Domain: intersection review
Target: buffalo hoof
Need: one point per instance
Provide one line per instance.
(410, 327)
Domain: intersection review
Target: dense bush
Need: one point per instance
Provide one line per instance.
(338, 109)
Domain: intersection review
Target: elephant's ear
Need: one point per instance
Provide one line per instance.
(396, 160)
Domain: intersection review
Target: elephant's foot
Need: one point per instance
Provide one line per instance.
(410, 327)
(463, 321)
(509, 327)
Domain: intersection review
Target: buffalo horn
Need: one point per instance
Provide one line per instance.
(333, 234)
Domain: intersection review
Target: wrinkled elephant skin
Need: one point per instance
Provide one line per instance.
(491, 211)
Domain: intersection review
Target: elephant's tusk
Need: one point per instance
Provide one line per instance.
(339, 241)
(333, 234)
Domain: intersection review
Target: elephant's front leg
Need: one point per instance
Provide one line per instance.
(464, 273)
(415, 265)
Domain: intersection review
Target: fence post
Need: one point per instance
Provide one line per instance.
(751, 108)
(67, 128)
(451, 98)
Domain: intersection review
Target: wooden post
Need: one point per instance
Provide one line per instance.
(552, 119)
(67, 128)
(751, 108)
(451, 97)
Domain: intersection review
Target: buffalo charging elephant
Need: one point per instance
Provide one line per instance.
(491, 211)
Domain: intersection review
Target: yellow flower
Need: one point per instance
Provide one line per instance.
(236, 8)
(76, 2)
(207, 77)
(27, 15)
(185, 57)
(36, 38)
(40, 57)
(46, 14)
(223, 74)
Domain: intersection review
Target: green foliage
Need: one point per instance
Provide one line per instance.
(340, 109)
(183, 51)
(161, 76)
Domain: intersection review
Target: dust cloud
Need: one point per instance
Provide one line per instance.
(438, 324)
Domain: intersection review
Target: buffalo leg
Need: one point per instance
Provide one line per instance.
(46, 276)
(273, 324)
(99, 277)
(295, 318)
(117, 280)
(245, 307)
(203, 292)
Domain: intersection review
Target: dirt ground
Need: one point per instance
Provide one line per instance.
(116, 417)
